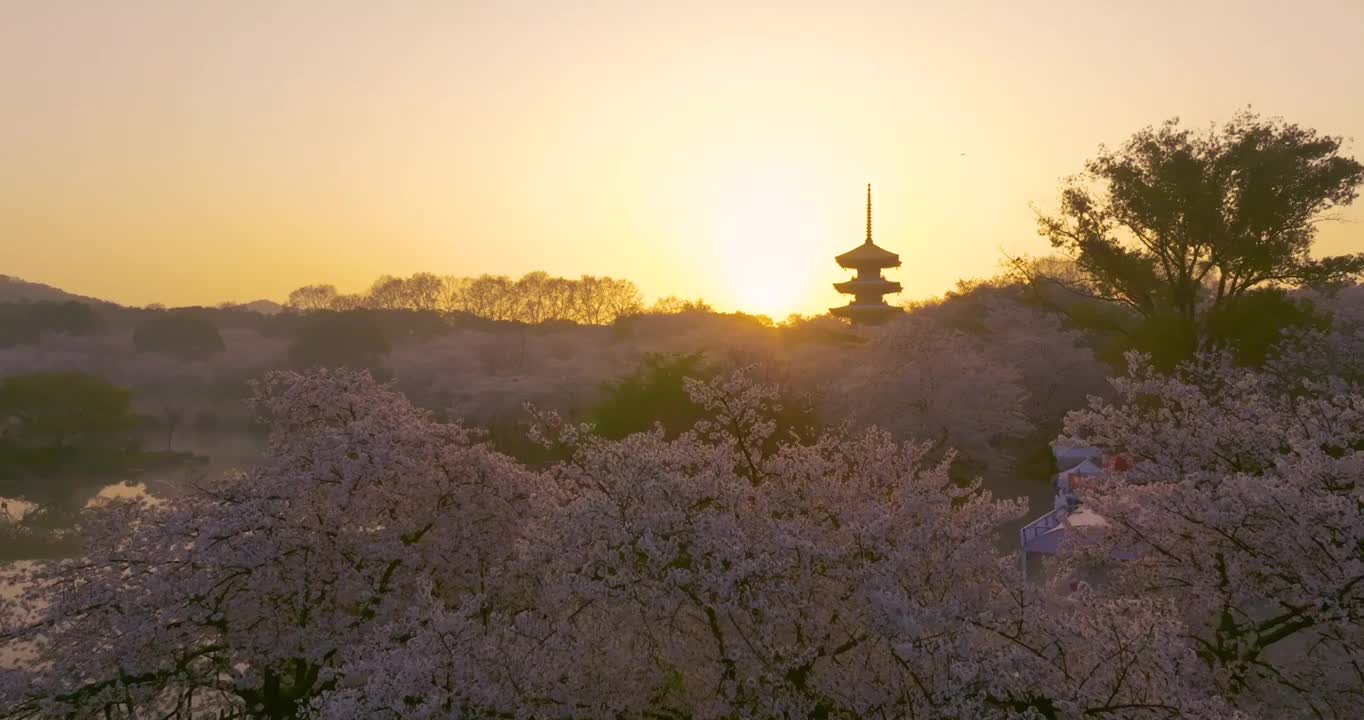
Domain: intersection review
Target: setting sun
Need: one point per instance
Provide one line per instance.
(767, 225)
(616, 360)
(712, 149)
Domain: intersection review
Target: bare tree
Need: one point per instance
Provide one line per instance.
(453, 296)
(422, 291)
(311, 297)
(490, 296)
(386, 293)
(622, 298)
(531, 304)
(535, 298)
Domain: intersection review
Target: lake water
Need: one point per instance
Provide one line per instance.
(15, 510)
(225, 450)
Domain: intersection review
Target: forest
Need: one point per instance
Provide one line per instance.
(542, 497)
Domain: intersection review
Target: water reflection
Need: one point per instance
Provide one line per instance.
(30, 530)
(13, 509)
(120, 491)
(10, 656)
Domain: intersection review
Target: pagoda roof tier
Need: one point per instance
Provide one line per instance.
(868, 255)
(879, 312)
(878, 286)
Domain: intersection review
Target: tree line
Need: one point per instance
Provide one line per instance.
(536, 297)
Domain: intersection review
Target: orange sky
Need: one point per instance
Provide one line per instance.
(195, 152)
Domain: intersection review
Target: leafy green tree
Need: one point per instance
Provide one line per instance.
(1253, 323)
(1165, 336)
(184, 335)
(653, 393)
(1176, 222)
(656, 394)
(59, 410)
(63, 436)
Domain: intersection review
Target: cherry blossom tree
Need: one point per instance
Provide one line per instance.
(380, 564)
(702, 577)
(1244, 507)
(924, 381)
(1056, 370)
(377, 564)
(1333, 354)
(247, 599)
(1063, 650)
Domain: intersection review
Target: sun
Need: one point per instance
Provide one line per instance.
(767, 231)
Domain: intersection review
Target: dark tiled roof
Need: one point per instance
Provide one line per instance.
(868, 255)
(878, 285)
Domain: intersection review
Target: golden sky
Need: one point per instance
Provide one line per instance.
(196, 151)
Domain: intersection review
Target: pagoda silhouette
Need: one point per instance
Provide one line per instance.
(868, 306)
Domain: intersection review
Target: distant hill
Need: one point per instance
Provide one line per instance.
(264, 307)
(12, 289)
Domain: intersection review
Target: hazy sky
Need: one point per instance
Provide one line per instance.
(195, 151)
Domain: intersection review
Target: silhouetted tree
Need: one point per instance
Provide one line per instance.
(312, 297)
(386, 293)
(535, 298)
(71, 317)
(450, 298)
(339, 339)
(16, 326)
(422, 291)
(619, 298)
(671, 304)
(343, 303)
(533, 303)
(1176, 220)
(490, 296)
(1253, 323)
(181, 334)
(25, 322)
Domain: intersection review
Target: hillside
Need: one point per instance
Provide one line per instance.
(13, 289)
(264, 307)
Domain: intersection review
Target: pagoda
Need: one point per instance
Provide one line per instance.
(867, 306)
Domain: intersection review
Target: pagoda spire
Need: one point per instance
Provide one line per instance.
(869, 287)
(868, 242)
